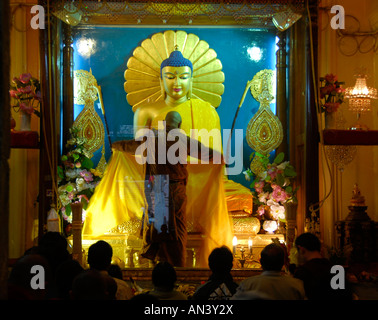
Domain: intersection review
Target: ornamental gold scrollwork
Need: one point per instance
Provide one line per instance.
(244, 12)
(131, 227)
(143, 68)
(88, 121)
(264, 130)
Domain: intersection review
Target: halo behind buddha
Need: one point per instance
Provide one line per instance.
(143, 68)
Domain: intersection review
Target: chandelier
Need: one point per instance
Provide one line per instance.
(360, 97)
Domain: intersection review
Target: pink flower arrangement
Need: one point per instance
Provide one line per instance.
(272, 186)
(259, 185)
(77, 179)
(25, 78)
(25, 91)
(279, 194)
(331, 93)
(88, 177)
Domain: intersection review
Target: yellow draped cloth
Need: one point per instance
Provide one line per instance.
(118, 198)
(120, 195)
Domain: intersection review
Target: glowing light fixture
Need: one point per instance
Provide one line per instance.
(255, 53)
(86, 47)
(234, 244)
(250, 245)
(270, 226)
(360, 97)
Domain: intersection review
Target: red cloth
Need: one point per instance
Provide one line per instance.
(24, 139)
(350, 137)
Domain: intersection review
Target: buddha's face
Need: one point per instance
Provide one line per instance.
(177, 82)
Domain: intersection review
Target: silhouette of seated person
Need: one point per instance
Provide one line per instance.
(220, 285)
(315, 270)
(93, 285)
(54, 247)
(65, 274)
(100, 258)
(272, 284)
(163, 280)
(20, 279)
(115, 271)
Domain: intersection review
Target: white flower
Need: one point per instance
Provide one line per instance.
(271, 203)
(263, 175)
(62, 189)
(277, 211)
(80, 184)
(72, 173)
(246, 176)
(64, 199)
(263, 197)
(287, 182)
(283, 165)
(92, 185)
(281, 216)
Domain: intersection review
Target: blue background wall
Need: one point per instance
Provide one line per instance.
(115, 45)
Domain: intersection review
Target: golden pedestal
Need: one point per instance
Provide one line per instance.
(127, 244)
(126, 249)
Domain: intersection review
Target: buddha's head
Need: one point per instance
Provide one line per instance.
(176, 74)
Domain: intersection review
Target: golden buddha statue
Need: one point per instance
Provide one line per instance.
(176, 85)
(176, 88)
(206, 201)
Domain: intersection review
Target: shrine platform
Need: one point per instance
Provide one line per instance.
(188, 275)
(126, 254)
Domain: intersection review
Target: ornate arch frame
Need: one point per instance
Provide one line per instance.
(300, 141)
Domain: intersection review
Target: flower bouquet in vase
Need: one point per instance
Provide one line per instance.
(332, 96)
(26, 95)
(77, 179)
(272, 188)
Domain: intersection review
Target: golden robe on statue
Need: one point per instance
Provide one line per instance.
(120, 195)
